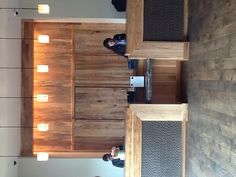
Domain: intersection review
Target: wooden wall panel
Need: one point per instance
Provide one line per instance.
(101, 80)
(96, 65)
(100, 103)
(100, 144)
(98, 135)
(102, 71)
(57, 83)
(89, 37)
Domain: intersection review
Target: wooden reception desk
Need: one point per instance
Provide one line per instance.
(140, 48)
(137, 114)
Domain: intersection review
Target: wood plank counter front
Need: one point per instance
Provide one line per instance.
(138, 48)
(138, 114)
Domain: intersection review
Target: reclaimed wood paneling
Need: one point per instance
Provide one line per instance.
(134, 25)
(161, 50)
(92, 135)
(89, 37)
(101, 71)
(210, 84)
(57, 84)
(100, 103)
(101, 80)
(78, 61)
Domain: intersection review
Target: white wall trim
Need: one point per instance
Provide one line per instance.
(80, 20)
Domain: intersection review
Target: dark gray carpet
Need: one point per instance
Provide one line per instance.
(163, 20)
(161, 151)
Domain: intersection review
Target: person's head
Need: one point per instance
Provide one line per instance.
(108, 43)
(107, 157)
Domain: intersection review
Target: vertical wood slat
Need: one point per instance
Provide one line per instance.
(27, 88)
(186, 9)
(73, 91)
(129, 123)
(137, 148)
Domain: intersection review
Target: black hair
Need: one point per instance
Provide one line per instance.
(105, 43)
(106, 157)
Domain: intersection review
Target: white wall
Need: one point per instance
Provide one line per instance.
(73, 9)
(10, 56)
(29, 167)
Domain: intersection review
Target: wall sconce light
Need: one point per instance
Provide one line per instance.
(42, 127)
(42, 9)
(39, 68)
(43, 39)
(42, 156)
(42, 68)
(42, 98)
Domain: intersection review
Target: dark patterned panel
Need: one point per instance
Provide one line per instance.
(163, 20)
(161, 149)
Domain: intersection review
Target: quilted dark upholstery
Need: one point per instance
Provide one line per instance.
(163, 20)
(161, 149)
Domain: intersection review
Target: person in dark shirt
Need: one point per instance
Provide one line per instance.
(116, 156)
(117, 44)
(120, 5)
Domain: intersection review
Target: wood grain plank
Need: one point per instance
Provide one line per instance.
(161, 51)
(134, 25)
(159, 112)
(27, 89)
(100, 103)
(104, 128)
(97, 143)
(102, 71)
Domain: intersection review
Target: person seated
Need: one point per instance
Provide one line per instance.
(117, 44)
(117, 157)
